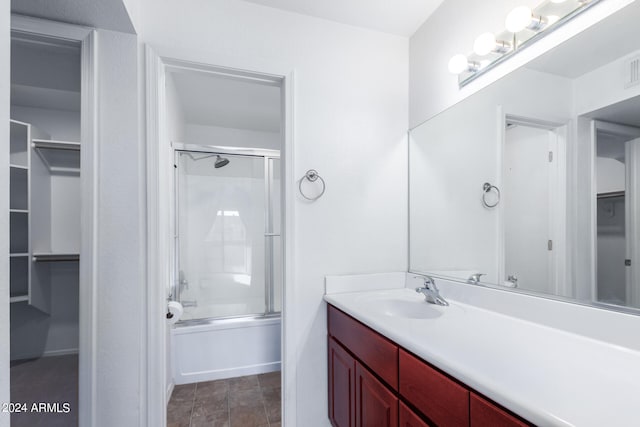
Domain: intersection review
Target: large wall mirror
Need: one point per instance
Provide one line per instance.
(533, 183)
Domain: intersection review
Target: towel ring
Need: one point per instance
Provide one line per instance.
(312, 176)
(486, 189)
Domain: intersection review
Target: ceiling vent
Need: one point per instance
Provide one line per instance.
(632, 72)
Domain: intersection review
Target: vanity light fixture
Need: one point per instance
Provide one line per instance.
(522, 18)
(459, 64)
(523, 26)
(486, 43)
(552, 19)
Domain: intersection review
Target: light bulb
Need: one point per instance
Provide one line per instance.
(484, 44)
(552, 19)
(458, 64)
(518, 19)
(557, 1)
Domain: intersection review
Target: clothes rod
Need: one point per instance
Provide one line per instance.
(56, 145)
(55, 257)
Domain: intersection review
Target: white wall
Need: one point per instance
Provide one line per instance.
(58, 124)
(350, 118)
(175, 115)
(120, 236)
(34, 333)
(453, 28)
(603, 86)
(230, 137)
(5, 44)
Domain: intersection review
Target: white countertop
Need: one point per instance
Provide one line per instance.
(548, 376)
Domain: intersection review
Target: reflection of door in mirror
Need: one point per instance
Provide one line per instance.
(533, 181)
(617, 163)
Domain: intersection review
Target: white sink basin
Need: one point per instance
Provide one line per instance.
(408, 309)
(407, 306)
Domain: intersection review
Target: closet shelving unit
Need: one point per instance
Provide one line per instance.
(34, 160)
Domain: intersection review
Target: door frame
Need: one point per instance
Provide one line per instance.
(558, 218)
(87, 38)
(159, 186)
(618, 130)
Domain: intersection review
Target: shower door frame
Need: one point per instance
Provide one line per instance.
(267, 155)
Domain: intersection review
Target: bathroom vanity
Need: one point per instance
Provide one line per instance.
(490, 358)
(375, 382)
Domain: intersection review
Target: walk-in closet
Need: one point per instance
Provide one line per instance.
(44, 228)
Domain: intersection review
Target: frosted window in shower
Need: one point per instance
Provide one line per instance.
(221, 227)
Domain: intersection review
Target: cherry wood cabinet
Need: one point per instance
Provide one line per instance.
(486, 414)
(375, 351)
(341, 386)
(408, 418)
(356, 396)
(376, 405)
(375, 383)
(441, 399)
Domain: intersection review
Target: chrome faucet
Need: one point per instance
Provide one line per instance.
(431, 292)
(474, 279)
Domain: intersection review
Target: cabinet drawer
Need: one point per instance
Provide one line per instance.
(375, 351)
(408, 418)
(486, 414)
(439, 398)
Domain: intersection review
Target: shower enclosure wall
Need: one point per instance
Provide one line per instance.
(227, 271)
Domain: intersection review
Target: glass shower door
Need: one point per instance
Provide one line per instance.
(221, 220)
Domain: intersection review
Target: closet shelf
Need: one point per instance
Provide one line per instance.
(19, 298)
(50, 257)
(18, 254)
(18, 167)
(58, 156)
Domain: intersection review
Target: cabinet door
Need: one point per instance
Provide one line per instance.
(408, 418)
(376, 406)
(341, 386)
(486, 414)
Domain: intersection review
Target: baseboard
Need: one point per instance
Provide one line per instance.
(63, 352)
(196, 377)
(50, 353)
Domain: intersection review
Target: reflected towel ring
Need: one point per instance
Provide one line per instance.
(486, 189)
(312, 176)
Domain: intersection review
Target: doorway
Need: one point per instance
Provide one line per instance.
(228, 113)
(51, 266)
(617, 161)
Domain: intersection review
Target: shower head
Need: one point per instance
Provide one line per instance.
(221, 161)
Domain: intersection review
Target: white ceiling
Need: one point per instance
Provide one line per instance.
(213, 100)
(107, 14)
(610, 39)
(400, 17)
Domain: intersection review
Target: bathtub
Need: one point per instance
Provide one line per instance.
(212, 349)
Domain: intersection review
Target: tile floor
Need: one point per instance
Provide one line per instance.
(251, 401)
(46, 380)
